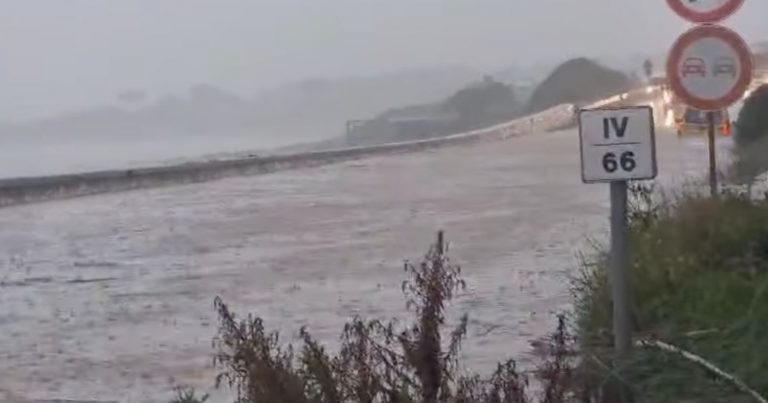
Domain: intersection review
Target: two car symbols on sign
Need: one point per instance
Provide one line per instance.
(696, 66)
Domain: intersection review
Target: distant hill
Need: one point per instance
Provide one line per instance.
(319, 108)
(577, 81)
(309, 110)
(480, 104)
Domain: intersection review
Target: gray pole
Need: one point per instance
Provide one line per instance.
(620, 270)
(712, 156)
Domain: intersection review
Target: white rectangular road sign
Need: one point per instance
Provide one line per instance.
(617, 144)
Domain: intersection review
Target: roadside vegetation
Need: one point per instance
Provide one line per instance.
(751, 137)
(700, 284)
(384, 362)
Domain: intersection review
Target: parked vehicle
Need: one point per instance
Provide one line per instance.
(694, 122)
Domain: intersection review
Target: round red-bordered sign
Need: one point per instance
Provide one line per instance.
(694, 72)
(720, 9)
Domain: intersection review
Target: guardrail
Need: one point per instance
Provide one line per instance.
(35, 189)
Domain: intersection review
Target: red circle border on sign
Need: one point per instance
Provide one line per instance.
(709, 17)
(726, 35)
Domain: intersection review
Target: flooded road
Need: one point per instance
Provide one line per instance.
(110, 297)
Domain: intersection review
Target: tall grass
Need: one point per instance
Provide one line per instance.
(699, 280)
(385, 361)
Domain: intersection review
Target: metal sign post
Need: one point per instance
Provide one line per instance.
(617, 146)
(620, 266)
(713, 190)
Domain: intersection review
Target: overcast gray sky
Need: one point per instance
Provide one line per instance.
(64, 54)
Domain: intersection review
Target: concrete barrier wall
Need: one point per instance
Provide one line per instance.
(26, 190)
(627, 98)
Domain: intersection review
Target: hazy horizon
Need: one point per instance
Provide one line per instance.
(65, 55)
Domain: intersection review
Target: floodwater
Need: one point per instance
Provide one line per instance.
(23, 157)
(110, 297)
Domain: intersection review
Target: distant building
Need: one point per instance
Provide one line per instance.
(422, 127)
(400, 128)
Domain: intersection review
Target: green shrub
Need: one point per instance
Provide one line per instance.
(752, 122)
(383, 362)
(699, 267)
(751, 137)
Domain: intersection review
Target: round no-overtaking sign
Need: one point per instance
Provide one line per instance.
(709, 67)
